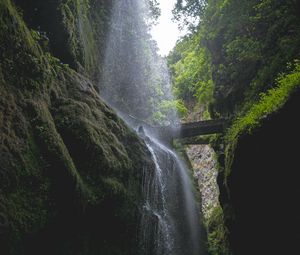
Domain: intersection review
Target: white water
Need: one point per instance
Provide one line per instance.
(170, 223)
(135, 80)
(169, 197)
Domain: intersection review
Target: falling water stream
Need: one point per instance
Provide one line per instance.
(170, 223)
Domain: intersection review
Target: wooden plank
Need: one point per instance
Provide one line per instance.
(201, 128)
(185, 129)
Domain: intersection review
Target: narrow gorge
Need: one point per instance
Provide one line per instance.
(112, 144)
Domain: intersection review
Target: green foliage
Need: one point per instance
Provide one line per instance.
(243, 49)
(250, 43)
(192, 76)
(26, 205)
(168, 108)
(217, 233)
(154, 9)
(206, 115)
(187, 12)
(74, 31)
(230, 62)
(269, 102)
(65, 158)
(22, 63)
(82, 46)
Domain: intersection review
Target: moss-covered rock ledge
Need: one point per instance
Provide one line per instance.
(70, 170)
(259, 183)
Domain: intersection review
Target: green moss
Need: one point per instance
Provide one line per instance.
(55, 148)
(269, 103)
(217, 233)
(22, 62)
(26, 205)
(8, 10)
(79, 30)
(27, 212)
(69, 22)
(80, 121)
(114, 186)
(69, 165)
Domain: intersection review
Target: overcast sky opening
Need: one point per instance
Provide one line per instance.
(166, 32)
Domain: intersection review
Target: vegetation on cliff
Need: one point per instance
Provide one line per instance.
(239, 61)
(235, 51)
(269, 103)
(70, 184)
(70, 169)
(73, 31)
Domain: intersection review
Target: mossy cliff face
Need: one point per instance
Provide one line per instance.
(70, 170)
(259, 186)
(73, 30)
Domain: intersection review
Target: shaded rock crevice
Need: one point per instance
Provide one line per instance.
(262, 189)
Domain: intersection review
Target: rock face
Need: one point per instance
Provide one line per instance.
(203, 160)
(263, 188)
(74, 31)
(69, 181)
(204, 164)
(205, 171)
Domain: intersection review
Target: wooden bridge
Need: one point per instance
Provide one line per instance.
(180, 131)
(192, 129)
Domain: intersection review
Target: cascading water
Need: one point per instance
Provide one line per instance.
(170, 222)
(134, 82)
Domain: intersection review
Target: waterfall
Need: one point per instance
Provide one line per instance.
(170, 223)
(134, 82)
(135, 79)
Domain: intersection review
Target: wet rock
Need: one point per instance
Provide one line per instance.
(205, 171)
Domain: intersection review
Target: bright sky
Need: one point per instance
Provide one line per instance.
(166, 31)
